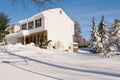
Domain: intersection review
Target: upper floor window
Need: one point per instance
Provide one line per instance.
(24, 26)
(38, 22)
(30, 25)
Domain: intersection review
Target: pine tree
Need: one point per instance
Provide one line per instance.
(104, 37)
(115, 34)
(4, 20)
(93, 45)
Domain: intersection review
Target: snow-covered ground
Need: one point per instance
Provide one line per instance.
(18, 62)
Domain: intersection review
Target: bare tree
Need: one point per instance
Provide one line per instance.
(39, 3)
(78, 37)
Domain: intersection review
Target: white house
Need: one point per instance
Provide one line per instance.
(53, 24)
(13, 28)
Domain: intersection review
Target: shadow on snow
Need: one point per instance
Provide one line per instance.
(57, 66)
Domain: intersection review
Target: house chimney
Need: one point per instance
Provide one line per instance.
(13, 28)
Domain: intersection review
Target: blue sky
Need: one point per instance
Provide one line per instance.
(81, 11)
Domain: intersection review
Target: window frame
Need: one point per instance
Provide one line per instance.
(24, 26)
(31, 25)
(38, 22)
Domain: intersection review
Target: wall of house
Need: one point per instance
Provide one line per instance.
(33, 18)
(60, 29)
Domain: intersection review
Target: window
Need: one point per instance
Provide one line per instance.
(38, 22)
(30, 25)
(24, 26)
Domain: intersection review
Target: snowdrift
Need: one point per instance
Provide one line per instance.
(19, 62)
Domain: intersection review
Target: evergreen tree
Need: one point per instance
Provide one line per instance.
(115, 34)
(93, 45)
(4, 20)
(104, 37)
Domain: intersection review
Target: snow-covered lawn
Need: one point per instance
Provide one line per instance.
(18, 62)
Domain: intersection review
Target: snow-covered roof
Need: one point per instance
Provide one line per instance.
(19, 33)
(39, 14)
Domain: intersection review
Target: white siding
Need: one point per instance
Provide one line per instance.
(60, 27)
(33, 19)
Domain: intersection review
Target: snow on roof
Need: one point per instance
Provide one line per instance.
(17, 26)
(39, 14)
(19, 33)
(11, 27)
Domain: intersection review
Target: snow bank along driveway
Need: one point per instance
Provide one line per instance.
(28, 62)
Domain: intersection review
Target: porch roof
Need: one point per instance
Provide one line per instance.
(17, 34)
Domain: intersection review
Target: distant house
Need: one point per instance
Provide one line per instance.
(13, 28)
(51, 25)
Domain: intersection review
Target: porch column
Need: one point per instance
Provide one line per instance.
(25, 33)
(24, 40)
